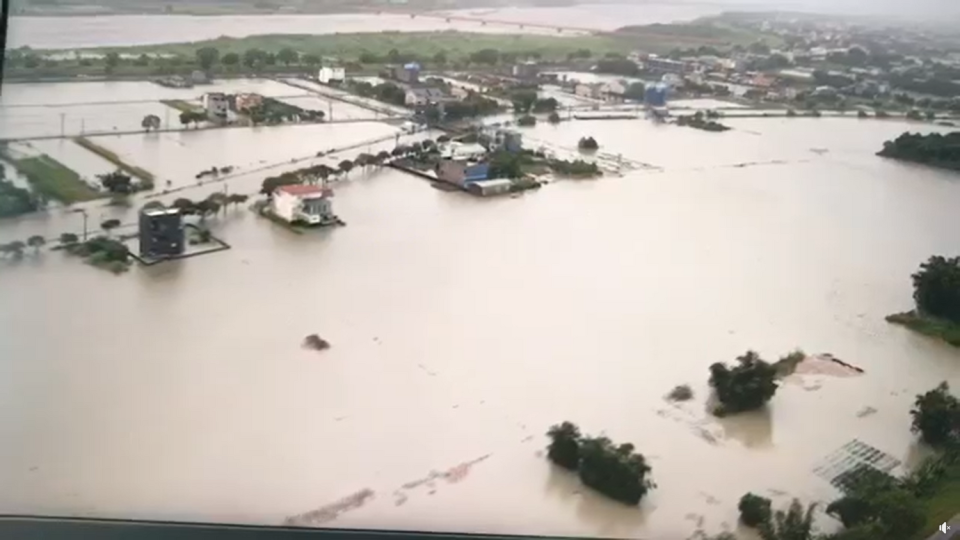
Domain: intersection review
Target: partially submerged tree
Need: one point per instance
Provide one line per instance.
(794, 524)
(754, 510)
(36, 242)
(564, 449)
(746, 386)
(616, 471)
(936, 288)
(936, 416)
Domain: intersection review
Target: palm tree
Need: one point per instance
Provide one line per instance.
(346, 166)
(36, 242)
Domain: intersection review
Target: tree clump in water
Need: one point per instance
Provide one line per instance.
(681, 392)
(754, 510)
(588, 143)
(315, 342)
(614, 470)
(747, 386)
(936, 291)
(936, 416)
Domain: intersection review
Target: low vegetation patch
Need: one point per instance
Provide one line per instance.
(699, 121)
(53, 180)
(102, 252)
(936, 291)
(614, 470)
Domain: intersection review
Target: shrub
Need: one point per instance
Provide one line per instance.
(564, 449)
(754, 510)
(746, 386)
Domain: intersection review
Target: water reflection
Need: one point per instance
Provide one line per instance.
(752, 429)
(608, 518)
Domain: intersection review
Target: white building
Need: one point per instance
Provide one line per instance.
(309, 204)
(459, 150)
(216, 104)
(327, 75)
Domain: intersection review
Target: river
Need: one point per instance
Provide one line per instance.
(461, 329)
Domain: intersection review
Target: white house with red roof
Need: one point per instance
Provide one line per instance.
(308, 204)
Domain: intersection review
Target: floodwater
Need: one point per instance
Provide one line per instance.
(101, 31)
(461, 329)
(45, 109)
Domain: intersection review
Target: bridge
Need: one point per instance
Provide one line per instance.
(484, 21)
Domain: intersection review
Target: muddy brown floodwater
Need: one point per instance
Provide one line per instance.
(465, 327)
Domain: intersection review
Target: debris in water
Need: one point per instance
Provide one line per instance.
(399, 498)
(681, 392)
(330, 512)
(798, 363)
(866, 411)
(528, 438)
(315, 342)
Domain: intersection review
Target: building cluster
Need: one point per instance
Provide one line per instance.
(467, 165)
(818, 60)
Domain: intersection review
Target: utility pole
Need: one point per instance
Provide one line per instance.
(83, 123)
(62, 115)
(330, 109)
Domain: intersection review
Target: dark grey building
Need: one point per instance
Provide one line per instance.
(161, 233)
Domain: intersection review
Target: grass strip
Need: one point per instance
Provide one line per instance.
(930, 326)
(52, 179)
(145, 176)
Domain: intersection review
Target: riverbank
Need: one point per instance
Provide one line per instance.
(929, 326)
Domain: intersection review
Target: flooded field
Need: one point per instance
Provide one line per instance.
(33, 110)
(462, 328)
(177, 157)
(335, 110)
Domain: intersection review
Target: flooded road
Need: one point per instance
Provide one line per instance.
(462, 328)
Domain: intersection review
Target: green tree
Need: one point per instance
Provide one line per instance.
(230, 59)
(587, 143)
(109, 225)
(936, 288)
(794, 524)
(636, 91)
(116, 182)
(150, 121)
(754, 510)
(523, 100)
(15, 248)
(288, 56)
(616, 471)
(112, 61)
(440, 58)
(253, 58)
(68, 239)
(312, 60)
(564, 449)
(207, 57)
(186, 206)
(36, 242)
(485, 56)
(747, 386)
(346, 166)
(527, 121)
(554, 118)
(237, 199)
(936, 416)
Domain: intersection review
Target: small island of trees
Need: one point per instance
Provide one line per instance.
(748, 385)
(936, 291)
(934, 149)
(614, 470)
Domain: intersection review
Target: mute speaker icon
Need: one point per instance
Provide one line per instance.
(944, 528)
